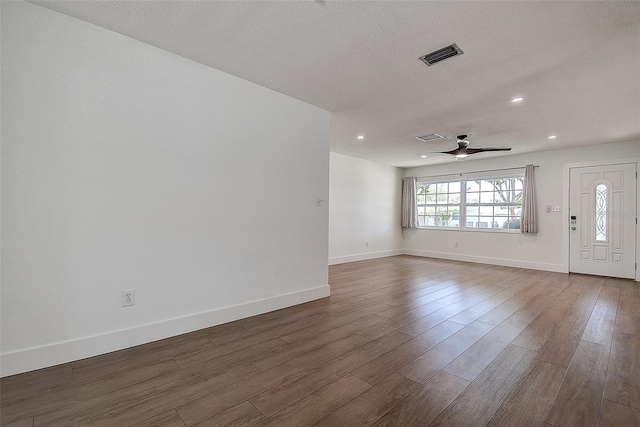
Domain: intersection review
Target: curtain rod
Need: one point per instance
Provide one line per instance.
(468, 173)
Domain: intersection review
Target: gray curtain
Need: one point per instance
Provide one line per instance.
(409, 208)
(529, 218)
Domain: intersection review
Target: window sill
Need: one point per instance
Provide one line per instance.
(473, 230)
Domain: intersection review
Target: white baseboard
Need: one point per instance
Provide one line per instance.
(63, 352)
(364, 256)
(558, 268)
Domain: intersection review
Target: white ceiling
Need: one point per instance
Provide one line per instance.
(577, 64)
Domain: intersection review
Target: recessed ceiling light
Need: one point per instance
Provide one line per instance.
(553, 136)
(360, 136)
(461, 156)
(517, 99)
(424, 156)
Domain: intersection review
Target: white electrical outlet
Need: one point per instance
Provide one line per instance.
(366, 244)
(128, 298)
(455, 244)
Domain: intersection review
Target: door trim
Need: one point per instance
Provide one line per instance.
(565, 204)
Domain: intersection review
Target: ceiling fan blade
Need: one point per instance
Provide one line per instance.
(453, 152)
(463, 149)
(480, 150)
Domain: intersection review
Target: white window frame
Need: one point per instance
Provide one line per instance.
(462, 179)
(435, 205)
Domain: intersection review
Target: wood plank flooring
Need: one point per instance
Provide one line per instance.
(402, 341)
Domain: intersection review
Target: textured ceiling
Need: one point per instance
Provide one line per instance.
(577, 64)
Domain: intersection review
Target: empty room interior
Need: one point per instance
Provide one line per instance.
(332, 213)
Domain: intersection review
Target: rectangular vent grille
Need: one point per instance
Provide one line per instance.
(441, 54)
(430, 137)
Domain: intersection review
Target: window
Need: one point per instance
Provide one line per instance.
(438, 204)
(471, 203)
(494, 203)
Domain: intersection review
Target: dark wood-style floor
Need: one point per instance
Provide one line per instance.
(401, 341)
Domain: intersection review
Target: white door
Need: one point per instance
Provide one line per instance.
(602, 220)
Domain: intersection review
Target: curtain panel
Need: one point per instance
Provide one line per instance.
(409, 205)
(529, 218)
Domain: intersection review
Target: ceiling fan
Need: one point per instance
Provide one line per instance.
(463, 149)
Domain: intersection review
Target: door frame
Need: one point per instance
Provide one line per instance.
(565, 204)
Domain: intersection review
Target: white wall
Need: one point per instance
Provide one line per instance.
(364, 207)
(125, 166)
(546, 250)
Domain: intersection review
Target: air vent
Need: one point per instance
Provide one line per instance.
(430, 137)
(441, 54)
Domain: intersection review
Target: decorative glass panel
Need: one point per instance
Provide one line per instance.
(601, 213)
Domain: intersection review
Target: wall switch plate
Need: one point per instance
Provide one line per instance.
(128, 298)
(548, 208)
(557, 209)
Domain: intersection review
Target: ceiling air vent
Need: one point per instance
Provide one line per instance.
(430, 137)
(441, 54)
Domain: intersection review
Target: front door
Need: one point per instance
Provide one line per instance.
(602, 220)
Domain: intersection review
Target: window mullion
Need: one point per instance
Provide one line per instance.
(463, 204)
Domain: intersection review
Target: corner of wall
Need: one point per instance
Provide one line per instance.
(365, 256)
